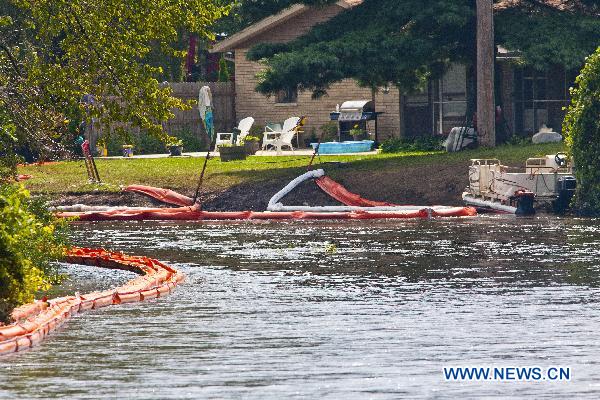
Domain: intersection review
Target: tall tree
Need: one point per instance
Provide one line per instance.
(52, 52)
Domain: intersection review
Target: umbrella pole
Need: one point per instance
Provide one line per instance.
(315, 153)
(201, 180)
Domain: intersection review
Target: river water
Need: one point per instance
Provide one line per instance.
(331, 310)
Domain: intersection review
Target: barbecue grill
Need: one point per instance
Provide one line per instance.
(353, 113)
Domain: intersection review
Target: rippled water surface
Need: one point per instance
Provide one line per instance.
(330, 310)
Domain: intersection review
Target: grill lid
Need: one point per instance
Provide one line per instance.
(353, 110)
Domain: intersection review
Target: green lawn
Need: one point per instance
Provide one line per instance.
(182, 173)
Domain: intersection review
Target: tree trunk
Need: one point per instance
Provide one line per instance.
(486, 107)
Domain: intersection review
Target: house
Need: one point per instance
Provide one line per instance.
(283, 27)
(529, 99)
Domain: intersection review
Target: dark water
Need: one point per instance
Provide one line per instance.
(324, 310)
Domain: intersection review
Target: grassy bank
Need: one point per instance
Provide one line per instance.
(433, 177)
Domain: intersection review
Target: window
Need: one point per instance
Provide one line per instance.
(287, 96)
(450, 100)
(539, 98)
(441, 106)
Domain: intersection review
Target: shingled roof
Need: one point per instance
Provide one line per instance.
(271, 22)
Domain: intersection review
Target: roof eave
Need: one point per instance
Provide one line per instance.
(256, 29)
(270, 22)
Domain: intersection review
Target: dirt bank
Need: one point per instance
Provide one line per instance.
(419, 185)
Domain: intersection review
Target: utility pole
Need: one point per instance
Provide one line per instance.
(486, 105)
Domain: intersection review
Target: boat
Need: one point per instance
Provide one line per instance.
(546, 183)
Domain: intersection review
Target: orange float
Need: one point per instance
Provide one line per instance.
(195, 214)
(33, 322)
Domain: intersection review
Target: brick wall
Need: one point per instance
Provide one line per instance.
(265, 109)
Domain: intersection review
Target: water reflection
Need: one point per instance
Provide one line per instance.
(331, 310)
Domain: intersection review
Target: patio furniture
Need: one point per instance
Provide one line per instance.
(275, 138)
(244, 129)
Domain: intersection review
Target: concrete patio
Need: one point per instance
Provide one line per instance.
(270, 153)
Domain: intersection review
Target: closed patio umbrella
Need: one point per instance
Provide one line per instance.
(205, 107)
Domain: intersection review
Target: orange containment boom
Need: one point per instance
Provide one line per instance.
(344, 196)
(164, 195)
(33, 322)
(355, 207)
(194, 214)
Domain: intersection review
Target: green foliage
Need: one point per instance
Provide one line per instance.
(146, 144)
(582, 128)
(246, 12)
(8, 159)
(173, 141)
(53, 52)
(142, 144)
(396, 145)
(329, 131)
(257, 131)
(223, 70)
(517, 140)
(549, 38)
(403, 43)
(250, 138)
(29, 241)
(191, 141)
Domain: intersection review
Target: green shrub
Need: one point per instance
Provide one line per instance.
(147, 144)
(191, 141)
(399, 145)
(329, 132)
(258, 131)
(223, 70)
(30, 238)
(142, 144)
(8, 159)
(516, 140)
(582, 129)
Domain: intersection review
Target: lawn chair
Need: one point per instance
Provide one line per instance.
(244, 129)
(279, 139)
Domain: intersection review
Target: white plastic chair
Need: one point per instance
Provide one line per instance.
(244, 127)
(281, 138)
(284, 140)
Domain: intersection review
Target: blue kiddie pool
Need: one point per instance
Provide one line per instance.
(363, 146)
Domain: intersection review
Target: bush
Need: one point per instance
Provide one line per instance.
(258, 131)
(223, 70)
(191, 142)
(142, 144)
(516, 140)
(582, 129)
(147, 144)
(329, 132)
(30, 238)
(398, 145)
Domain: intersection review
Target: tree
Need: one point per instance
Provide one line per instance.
(28, 241)
(246, 12)
(52, 52)
(582, 127)
(223, 70)
(404, 43)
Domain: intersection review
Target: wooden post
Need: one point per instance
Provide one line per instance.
(486, 107)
